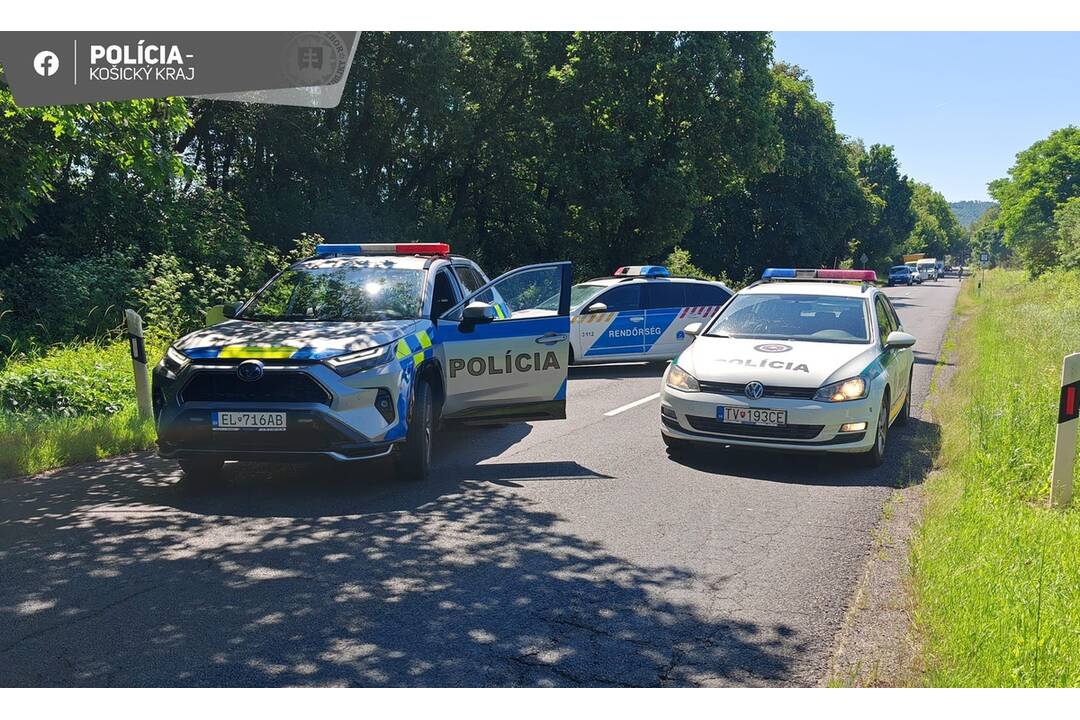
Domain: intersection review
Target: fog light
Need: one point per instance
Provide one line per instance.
(385, 405)
(853, 427)
(668, 412)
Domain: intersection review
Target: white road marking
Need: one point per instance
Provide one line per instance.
(631, 406)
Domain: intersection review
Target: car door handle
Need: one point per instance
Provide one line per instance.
(551, 338)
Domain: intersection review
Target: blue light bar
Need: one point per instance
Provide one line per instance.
(778, 273)
(338, 249)
(643, 271)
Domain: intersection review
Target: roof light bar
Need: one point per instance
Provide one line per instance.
(818, 274)
(642, 270)
(383, 249)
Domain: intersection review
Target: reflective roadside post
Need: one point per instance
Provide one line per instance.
(1061, 477)
(138, 362)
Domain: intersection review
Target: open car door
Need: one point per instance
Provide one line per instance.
(504, 350)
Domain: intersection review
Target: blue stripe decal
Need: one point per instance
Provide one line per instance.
(561, 395)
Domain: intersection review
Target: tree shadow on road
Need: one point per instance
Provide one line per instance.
(113, 576)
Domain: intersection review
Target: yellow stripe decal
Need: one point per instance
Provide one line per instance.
(425, 341)
(257, 351)
(403, 349)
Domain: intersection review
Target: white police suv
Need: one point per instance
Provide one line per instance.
(640, 313)
(801, 360)
(358, 352)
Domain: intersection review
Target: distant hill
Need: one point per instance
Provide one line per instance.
(968, 211)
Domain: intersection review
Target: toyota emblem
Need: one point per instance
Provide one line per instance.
(249, 370)
(754, 390)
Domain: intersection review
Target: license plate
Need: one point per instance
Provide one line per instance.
(264, 421)
(751, 416)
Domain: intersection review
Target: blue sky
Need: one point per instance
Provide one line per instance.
(956, 106)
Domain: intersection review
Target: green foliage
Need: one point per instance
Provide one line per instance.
(996, 573)
(1044, 176)
(937, 232)
(1067, 222)
(968, 211)
(987, 235)
(891, 218)
(680, 264)
(29, 446)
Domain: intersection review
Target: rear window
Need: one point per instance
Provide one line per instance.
(816, 318)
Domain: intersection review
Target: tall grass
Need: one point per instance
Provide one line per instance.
(77, 404)
(997, 574)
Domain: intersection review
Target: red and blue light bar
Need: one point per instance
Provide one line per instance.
(818, 274)
(383, 249)
(642, 270)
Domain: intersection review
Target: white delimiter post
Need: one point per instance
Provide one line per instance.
(1061, 477)
(138, 362)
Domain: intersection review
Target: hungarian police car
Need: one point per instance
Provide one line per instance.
(638, 314)
(801, 360)
(358, 353)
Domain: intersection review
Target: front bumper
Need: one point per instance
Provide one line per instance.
(811, 425)
(326, 415)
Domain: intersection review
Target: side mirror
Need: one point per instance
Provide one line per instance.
(693, 329)
(898, 339)
(231, 310)
(478, 312)
(596, 307)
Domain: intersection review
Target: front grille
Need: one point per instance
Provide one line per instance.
(272, 387)
(780, 392)
(785, 432)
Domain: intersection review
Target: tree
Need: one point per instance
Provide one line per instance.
(893, 219)
(1067, 225)
(937, 232)
(987, 235)
(1044, 176)
(804, 211)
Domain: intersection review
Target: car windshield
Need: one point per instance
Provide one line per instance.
(349, 293)
(818, 318)
(899, 269)
(578, 295)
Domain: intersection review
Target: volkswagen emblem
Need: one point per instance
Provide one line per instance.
(754, 390)
(772, 348)
(249, 370)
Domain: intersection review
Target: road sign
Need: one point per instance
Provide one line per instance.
(1061, 477)
(864, 258)
(984, 258)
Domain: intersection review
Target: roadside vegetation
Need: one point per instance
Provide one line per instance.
(997, 573)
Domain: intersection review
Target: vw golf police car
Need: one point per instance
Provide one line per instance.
(638, 314)
(801, 360)
(358, 353)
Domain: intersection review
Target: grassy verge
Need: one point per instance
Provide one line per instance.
(68, 405)
(997, 574)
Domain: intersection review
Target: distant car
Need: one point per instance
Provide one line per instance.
(900, 275)
(799, 361)
(915, 274)
(927, 268)
(638, 314)
(940, 269)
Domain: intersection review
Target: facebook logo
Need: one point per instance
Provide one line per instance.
(46, 63)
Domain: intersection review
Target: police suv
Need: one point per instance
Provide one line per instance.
(358, 353)
(640, 313)
(801, 360)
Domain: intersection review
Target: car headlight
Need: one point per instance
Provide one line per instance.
(682, 380)
(851, 389)
(352, 363)
(174, 360)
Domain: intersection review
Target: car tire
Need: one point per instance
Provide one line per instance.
(876, 455)
(905, 412)
(200, 473)
(414, 457)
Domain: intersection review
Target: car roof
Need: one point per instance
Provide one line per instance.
(606, 281)
(799, 287)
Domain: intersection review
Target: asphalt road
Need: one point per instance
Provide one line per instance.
(561, 553)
